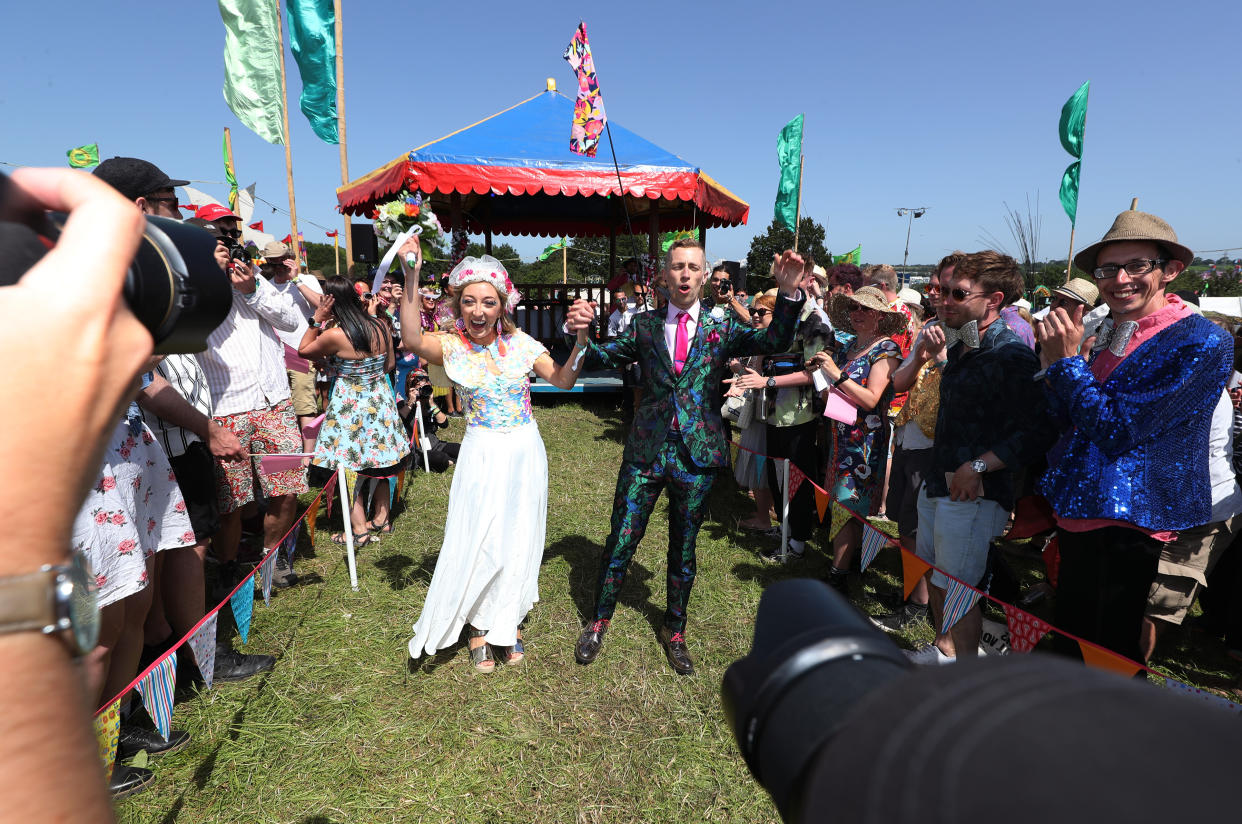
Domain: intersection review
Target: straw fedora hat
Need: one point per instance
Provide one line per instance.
(1136, 225)
(1081, 290)
(891, 321)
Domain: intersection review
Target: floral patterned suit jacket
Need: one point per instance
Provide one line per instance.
(689, 396)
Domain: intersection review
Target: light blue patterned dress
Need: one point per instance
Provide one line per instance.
(361, 429)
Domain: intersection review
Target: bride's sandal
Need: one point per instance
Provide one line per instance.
(480, 656)
(515, 653)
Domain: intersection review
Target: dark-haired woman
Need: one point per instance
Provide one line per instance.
(361, 429)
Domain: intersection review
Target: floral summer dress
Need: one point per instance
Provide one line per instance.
(856, 468)
(361, 429)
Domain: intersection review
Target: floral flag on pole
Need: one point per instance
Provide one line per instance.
(589, 117)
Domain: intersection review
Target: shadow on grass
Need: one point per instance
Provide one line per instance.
(583, 556)
(400, 571)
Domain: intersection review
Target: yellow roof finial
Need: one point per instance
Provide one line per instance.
(551, 84)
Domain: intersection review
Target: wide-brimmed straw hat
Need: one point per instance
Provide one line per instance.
(1140, 226)
(891, 321)
(1081, 290)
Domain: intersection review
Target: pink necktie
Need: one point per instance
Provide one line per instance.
(683, 341)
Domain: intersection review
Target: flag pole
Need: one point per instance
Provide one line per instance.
(336, 249)
(284, 99)
(564, 262)
(340, 130)
(798, 203)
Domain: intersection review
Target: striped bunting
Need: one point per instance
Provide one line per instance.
(243, 606)
(958, 599)
(873, 541)
(157, 692)
(203, 643)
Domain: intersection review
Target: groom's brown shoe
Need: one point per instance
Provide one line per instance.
(589, 642)
(674, 644)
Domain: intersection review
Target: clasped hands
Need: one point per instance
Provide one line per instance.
(579, 319)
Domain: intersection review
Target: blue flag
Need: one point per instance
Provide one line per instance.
(312, 37)
(243, 606)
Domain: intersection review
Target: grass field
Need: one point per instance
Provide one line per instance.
(346, 729)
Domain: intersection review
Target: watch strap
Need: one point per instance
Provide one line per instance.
(27, 602)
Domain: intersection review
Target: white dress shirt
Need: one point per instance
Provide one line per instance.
(245, 357)
(186, 377)
(305, 310)
(670, 328)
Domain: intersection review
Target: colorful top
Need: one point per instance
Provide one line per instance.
(361, 429)
(493, 399)
(1018, 325)
(1136, 429)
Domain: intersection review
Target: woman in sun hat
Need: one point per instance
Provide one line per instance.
(486, 577)
(862, 373)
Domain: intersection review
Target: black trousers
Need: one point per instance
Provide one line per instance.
(1102, 588)
(798, 444)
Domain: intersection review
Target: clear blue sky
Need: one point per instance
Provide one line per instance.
(952, 106)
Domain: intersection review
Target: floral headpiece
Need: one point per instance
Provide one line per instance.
(485, 269)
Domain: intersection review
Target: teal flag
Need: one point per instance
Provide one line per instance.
(1069, 191)
(312, 36)
(1073, 125)
(252, 66)
(789, 153)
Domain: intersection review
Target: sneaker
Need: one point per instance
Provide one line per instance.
(901, 620)
(283, 576)
(928, 656)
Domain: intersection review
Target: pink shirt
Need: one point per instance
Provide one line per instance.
(1105, 363)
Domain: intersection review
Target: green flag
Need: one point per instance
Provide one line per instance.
(1069, 191)
(789, 153)
(1074, 120)
(854, 257)
(551, 250)
(1073, 130)
(312, 37)
(672, 237)
(229, 174)
(84, 157)
(252, 66)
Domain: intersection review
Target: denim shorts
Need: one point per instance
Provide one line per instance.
(954, 536)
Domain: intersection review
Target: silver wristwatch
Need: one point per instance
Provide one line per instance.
(56, 600)
(979, 466)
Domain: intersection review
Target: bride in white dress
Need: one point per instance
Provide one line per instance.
(487, 576)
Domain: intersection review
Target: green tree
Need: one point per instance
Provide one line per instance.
(590, 255)
(319, 258)
(778, 238)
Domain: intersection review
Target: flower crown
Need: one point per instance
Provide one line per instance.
(485, 269)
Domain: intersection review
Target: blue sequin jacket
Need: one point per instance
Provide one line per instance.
(1135, 448)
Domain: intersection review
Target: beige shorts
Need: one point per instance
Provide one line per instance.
(302, 385)
(1184, 567)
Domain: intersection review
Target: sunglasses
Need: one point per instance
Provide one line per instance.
(960, 295)
(234, 233)
(170, 199)
(760, 313)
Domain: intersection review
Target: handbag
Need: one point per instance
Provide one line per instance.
(739, 410)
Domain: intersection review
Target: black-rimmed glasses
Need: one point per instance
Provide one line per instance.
(1139, 266)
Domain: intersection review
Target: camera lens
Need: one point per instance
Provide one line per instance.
(813, 658)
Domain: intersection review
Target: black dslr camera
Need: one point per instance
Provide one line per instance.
(174, 285)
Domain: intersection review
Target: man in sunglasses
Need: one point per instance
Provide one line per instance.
(992, 421)
(1131, 469)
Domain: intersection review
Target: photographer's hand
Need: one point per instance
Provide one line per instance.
(241, 273)
(86, 339)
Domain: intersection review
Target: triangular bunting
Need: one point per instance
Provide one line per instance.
(1202, 695)
(1025, 630)
(157, 692)
(203, 644)
(1101, 658)
(392, 494)
(107, 733)
(821, 503)
(958, 599)
(912, 569)
(873, 541)
(266, 569)
(243, 606)
(839, 517)
(290, 544)
(312, 515)
(331, 490)
(401, 485)
(759, 459)
(796, 477)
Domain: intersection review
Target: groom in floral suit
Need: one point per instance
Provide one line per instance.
(677, 440)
